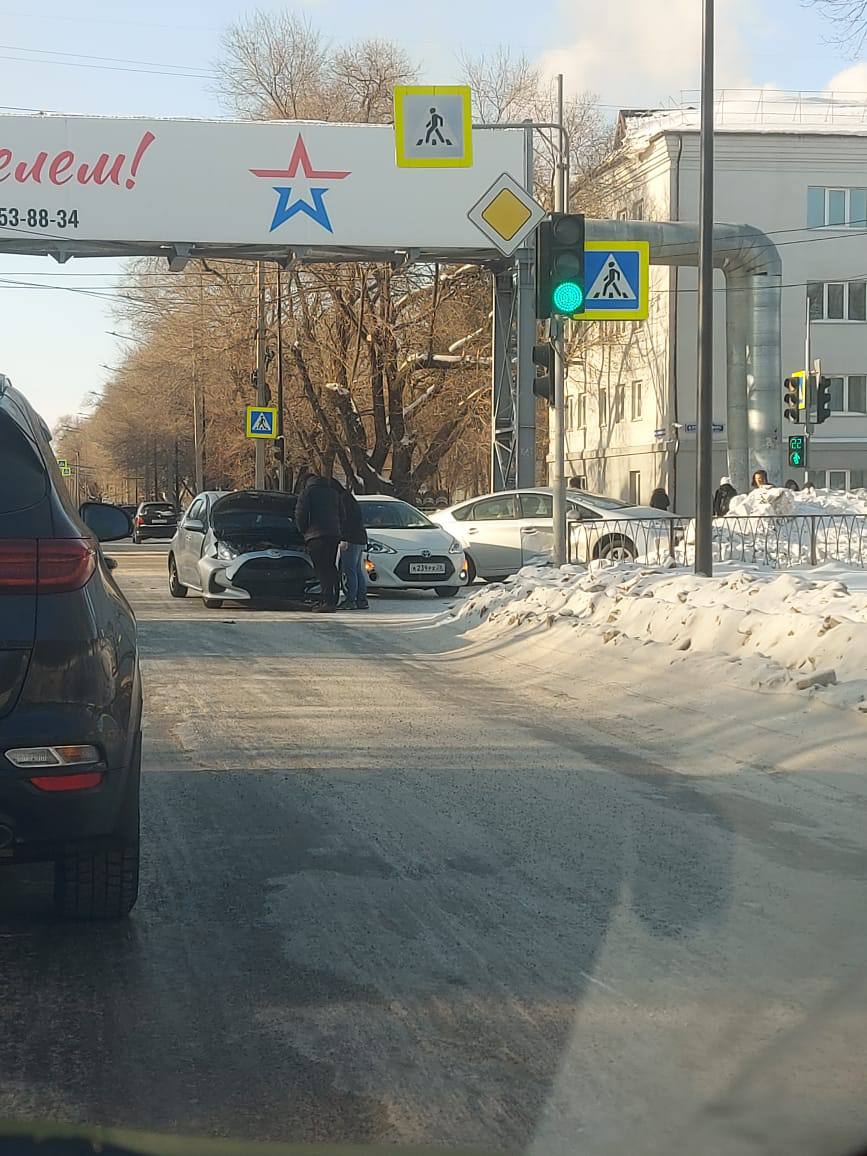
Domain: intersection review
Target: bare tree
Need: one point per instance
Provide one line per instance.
(273, 67)
(848, 20)
(362, 78)
(507, 87)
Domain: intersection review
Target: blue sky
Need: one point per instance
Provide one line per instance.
(55, 343)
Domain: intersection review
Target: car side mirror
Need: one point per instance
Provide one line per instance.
(194, 524)
(108, 523)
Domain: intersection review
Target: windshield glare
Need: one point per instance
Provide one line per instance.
(394, 516)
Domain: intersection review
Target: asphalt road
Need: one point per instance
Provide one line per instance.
(394, 890)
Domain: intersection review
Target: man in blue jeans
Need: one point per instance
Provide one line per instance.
(352, 549)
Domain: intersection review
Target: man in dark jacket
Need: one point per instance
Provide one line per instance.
(318, 518)
(352, 549)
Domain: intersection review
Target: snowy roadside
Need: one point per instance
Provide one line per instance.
(748, 627)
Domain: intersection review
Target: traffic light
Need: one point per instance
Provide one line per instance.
(823, 400)
(560, 265)
(543, 383)
(797, 451)
(792, 398)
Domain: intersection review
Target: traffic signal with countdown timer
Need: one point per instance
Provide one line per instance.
(792, 398)
(823, 400)
(560, 266)
(543, 383)
(797, 451)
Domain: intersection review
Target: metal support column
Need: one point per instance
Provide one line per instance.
(261, 385)
(502, 381)
(525, 457)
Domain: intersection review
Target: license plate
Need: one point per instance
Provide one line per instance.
(426, 568)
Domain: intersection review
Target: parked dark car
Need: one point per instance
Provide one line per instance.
(131, 511)
(70, 689)
(154, 520)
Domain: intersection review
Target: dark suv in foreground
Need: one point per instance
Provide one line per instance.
(70, 689)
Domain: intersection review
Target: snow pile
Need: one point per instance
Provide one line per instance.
(783, 631)
(772, 501)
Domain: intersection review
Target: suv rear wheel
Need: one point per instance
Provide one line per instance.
(213, 603)
(96, 884)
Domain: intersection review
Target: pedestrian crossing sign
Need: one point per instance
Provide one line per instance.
(262, 421)
(66, 471)
(433, 126)
(617, 276)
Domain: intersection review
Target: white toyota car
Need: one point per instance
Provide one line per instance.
(504, 531)
(407, 551)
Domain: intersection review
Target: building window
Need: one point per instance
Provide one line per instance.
(581, 411)
(622, 214)
(636, 401)
(838, 479)
(635, 487)
(848, 393)
(603, 407)
(836, 208)
(837, 300)
(619, 402)
(578, 482)
(638, 211)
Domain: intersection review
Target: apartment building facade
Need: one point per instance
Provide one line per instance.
(792, 166)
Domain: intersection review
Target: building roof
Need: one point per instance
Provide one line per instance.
(742, 110)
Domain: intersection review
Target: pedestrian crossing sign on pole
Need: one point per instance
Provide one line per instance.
(433, 126)
(66, 471)
(617, 280)
(262, 421)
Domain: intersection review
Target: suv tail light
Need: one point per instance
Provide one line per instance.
(18, 560)
(45, 566)
(138, 520)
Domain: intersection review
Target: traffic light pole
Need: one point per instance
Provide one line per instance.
(558, 341)
(808, 399)
(704, 408)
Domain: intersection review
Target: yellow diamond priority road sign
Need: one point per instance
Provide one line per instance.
(506, 214)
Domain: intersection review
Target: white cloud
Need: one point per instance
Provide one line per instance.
(636, 53)
(852, 79)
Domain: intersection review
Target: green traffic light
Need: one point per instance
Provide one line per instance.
(568, 297)
(796, 458)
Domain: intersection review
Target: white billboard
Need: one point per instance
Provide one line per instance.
(277, 183)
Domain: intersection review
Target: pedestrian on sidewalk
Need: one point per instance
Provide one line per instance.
(659, 499)
(722, 498)
(317, 516)
(352, 548)
(760, 478)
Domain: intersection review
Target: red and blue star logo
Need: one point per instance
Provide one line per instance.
(287, 206)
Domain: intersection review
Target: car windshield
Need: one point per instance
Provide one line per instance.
(394, 516)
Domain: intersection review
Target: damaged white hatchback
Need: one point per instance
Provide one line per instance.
(241, 546)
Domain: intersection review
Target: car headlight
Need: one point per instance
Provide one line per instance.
(374, 547)
(225, 552)
(456, 547)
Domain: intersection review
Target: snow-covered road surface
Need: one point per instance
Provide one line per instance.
(405, 884)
